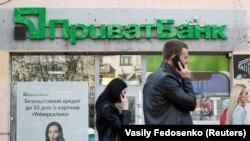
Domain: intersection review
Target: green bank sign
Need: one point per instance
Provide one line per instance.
(161, 29)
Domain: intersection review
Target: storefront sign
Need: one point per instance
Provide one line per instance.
(41, 104)
(241, 66)
(162, 29)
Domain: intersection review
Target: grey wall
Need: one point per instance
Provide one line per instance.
(235, 20)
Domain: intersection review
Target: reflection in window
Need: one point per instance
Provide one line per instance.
(210, 83)
(211, 89)
(211, 86)
(126, 60)
(53, 68)
(126, 67)
(131, 100)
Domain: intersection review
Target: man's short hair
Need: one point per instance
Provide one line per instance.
(173, 46)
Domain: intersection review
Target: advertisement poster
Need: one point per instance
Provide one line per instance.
(241, 65)
(40, 104)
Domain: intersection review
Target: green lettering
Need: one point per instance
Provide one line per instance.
(148, 29)
(132, 31)
(185, 32)
(115, 31)
(74, 31)
(93, 34)
(64, 24)
(164, 31)
(218, 32)
(198, 31)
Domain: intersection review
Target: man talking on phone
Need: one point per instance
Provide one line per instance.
(168, 95)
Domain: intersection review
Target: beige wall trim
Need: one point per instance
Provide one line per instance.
(4, 96)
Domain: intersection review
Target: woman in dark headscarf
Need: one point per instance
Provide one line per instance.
(108, 118)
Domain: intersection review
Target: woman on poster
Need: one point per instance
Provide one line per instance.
(54, 132)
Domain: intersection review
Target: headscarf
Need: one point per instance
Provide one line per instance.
(111, 92)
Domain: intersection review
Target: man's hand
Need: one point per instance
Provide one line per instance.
(185, 73)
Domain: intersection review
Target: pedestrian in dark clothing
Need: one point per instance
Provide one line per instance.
(168, 95)
(108, 118)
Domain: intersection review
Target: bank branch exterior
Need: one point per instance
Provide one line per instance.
(56, 62)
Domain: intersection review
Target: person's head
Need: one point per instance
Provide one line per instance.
(54, 132)
(175, 47)
(112, 92)
(238, 95)
(225, 103)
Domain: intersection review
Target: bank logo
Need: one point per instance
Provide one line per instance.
(162, 29)
(24, 15)
(244, 65)
(34, 94)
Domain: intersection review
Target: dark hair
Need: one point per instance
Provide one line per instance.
(111, 92)
(60, 130)
(173, 46)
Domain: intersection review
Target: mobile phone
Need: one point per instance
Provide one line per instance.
(175, 61)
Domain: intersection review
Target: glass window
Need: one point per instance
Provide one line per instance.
(210, 89)
(210, 83)
(126, 60)
(209, 79)
(52, 68)
(127, 67)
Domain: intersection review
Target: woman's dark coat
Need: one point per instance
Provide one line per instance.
(109, 122)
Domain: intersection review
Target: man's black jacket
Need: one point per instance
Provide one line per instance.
(167, 98)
